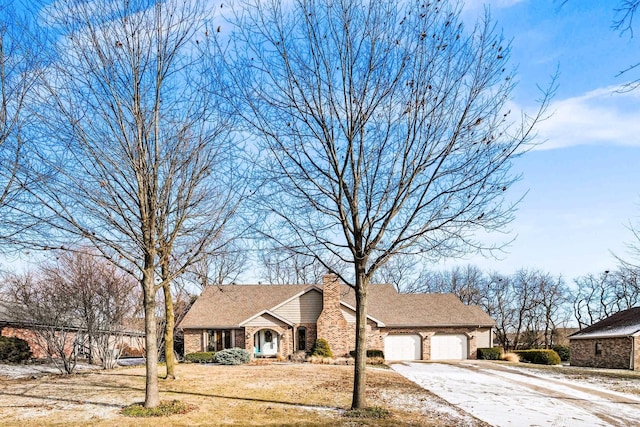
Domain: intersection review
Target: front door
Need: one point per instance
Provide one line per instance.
(265, 343)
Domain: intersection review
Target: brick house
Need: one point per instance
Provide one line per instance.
(613, 342)
(11, 325)
(271, 320)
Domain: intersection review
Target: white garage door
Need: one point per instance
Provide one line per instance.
(402, 347)
(449, 347)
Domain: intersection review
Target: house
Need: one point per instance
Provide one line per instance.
(128, 339)
(613, 342)
(270, 320)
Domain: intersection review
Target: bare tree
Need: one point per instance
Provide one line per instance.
(223, 266)
(404, 273)
(552, 293)
(466, 283)
(46, 307)
(143, 158)
(384, 130)
(498, 303)
(600, 296)
(18, 70)
(283, 266)
(102, 299)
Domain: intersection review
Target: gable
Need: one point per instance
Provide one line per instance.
(302, 309)
(265, 320)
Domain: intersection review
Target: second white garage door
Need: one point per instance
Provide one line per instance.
(449, 347)
(402, 347)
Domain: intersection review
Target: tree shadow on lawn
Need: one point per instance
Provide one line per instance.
(61, 399)
(175, 392)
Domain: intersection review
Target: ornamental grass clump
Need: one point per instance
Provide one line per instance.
(232, 356)
(510, 357)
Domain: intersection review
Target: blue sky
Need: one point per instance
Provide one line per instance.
(582, 182)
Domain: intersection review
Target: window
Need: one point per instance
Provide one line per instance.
(302, 338)
(218, 340)
(598, 348)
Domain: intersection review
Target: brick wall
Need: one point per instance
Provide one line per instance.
(332, 326)
(615, 353)
(193, 340)
(38, 346)
(375, 339)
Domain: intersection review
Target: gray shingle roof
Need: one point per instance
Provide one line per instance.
(622, 324)
(228, 305)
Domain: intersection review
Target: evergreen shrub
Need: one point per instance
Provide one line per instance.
(200, 357)
(232, 356)
(563, 351)
(539, 357)
(490, 353)
(14, 350)
(321, 348)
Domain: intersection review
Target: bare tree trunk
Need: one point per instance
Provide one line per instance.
(359, 375)
(152, 395)
(168, 331)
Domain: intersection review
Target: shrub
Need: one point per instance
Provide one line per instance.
(232, 356)
(200, 357)
(563, 351)
(539, 357)
(490, 353)
(321, 348)
(14, 349)
(370, 353)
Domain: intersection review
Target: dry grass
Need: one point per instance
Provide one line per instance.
(274, 394)
(510, 357)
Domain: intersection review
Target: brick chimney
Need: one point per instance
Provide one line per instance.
(332, 326)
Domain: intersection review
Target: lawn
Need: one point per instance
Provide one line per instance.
(274, 394)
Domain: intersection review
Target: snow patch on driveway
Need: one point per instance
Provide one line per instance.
(517, 399)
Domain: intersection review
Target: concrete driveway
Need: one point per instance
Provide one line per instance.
(504, 396)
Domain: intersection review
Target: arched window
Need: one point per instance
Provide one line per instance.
(302, 338)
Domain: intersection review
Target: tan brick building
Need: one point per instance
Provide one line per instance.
(613, 342)
(278, 320)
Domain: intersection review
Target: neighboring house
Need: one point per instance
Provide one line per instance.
(271, 320)
(128, 339)
(613, 342)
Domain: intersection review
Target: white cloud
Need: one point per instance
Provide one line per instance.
(599, 117)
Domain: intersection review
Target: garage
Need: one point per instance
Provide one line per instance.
(449, 347)
(402, 347)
